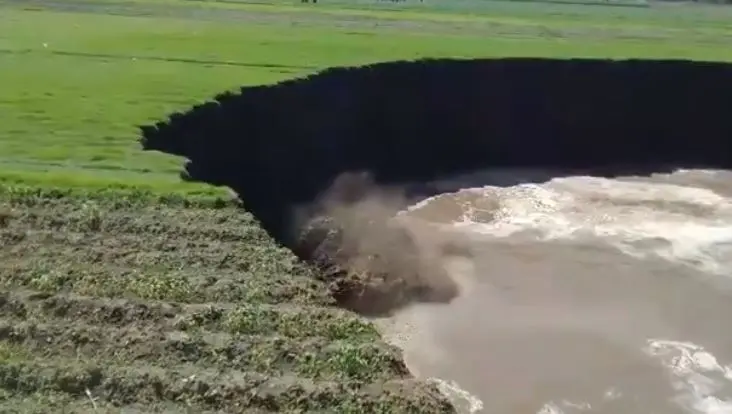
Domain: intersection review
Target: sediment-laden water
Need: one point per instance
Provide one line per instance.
(582, 295)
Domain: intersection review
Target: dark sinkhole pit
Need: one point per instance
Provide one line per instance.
(281, 147)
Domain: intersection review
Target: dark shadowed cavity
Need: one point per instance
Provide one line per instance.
(325, 161)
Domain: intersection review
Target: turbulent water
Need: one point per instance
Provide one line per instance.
(582, 295)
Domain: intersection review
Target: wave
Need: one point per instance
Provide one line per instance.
(679, 223)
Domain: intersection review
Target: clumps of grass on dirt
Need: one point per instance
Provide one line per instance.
(134, 301)
(6, 214)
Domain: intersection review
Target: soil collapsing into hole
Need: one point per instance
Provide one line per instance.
(370, 258)
(280, 146)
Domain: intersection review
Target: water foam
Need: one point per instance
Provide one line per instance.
(703, 384)
(561, 407)
(461, 398)
(550, 408)
(567, 407)
(685, 224)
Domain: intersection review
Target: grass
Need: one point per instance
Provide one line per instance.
(131, 296)
(75, 85)
(121, 286)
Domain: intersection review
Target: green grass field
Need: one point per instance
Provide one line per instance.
(123, 287)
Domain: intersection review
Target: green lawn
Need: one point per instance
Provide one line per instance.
(76, 80)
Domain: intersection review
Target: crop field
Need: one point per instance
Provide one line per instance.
(123, 289)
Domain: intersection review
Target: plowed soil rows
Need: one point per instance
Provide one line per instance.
(145, 304)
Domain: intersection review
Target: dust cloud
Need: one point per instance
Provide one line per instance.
(375, 261)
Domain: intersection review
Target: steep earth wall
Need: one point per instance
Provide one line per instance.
(281, 146)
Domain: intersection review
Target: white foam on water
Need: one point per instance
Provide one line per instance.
(462, 399)
(568, 407)
(563, 406)
(684, 224)
(550, 408)
(702, 384)
(701, 381)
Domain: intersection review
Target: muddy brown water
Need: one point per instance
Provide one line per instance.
(582, 295)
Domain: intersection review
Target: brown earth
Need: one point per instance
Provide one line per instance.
(374, 262)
